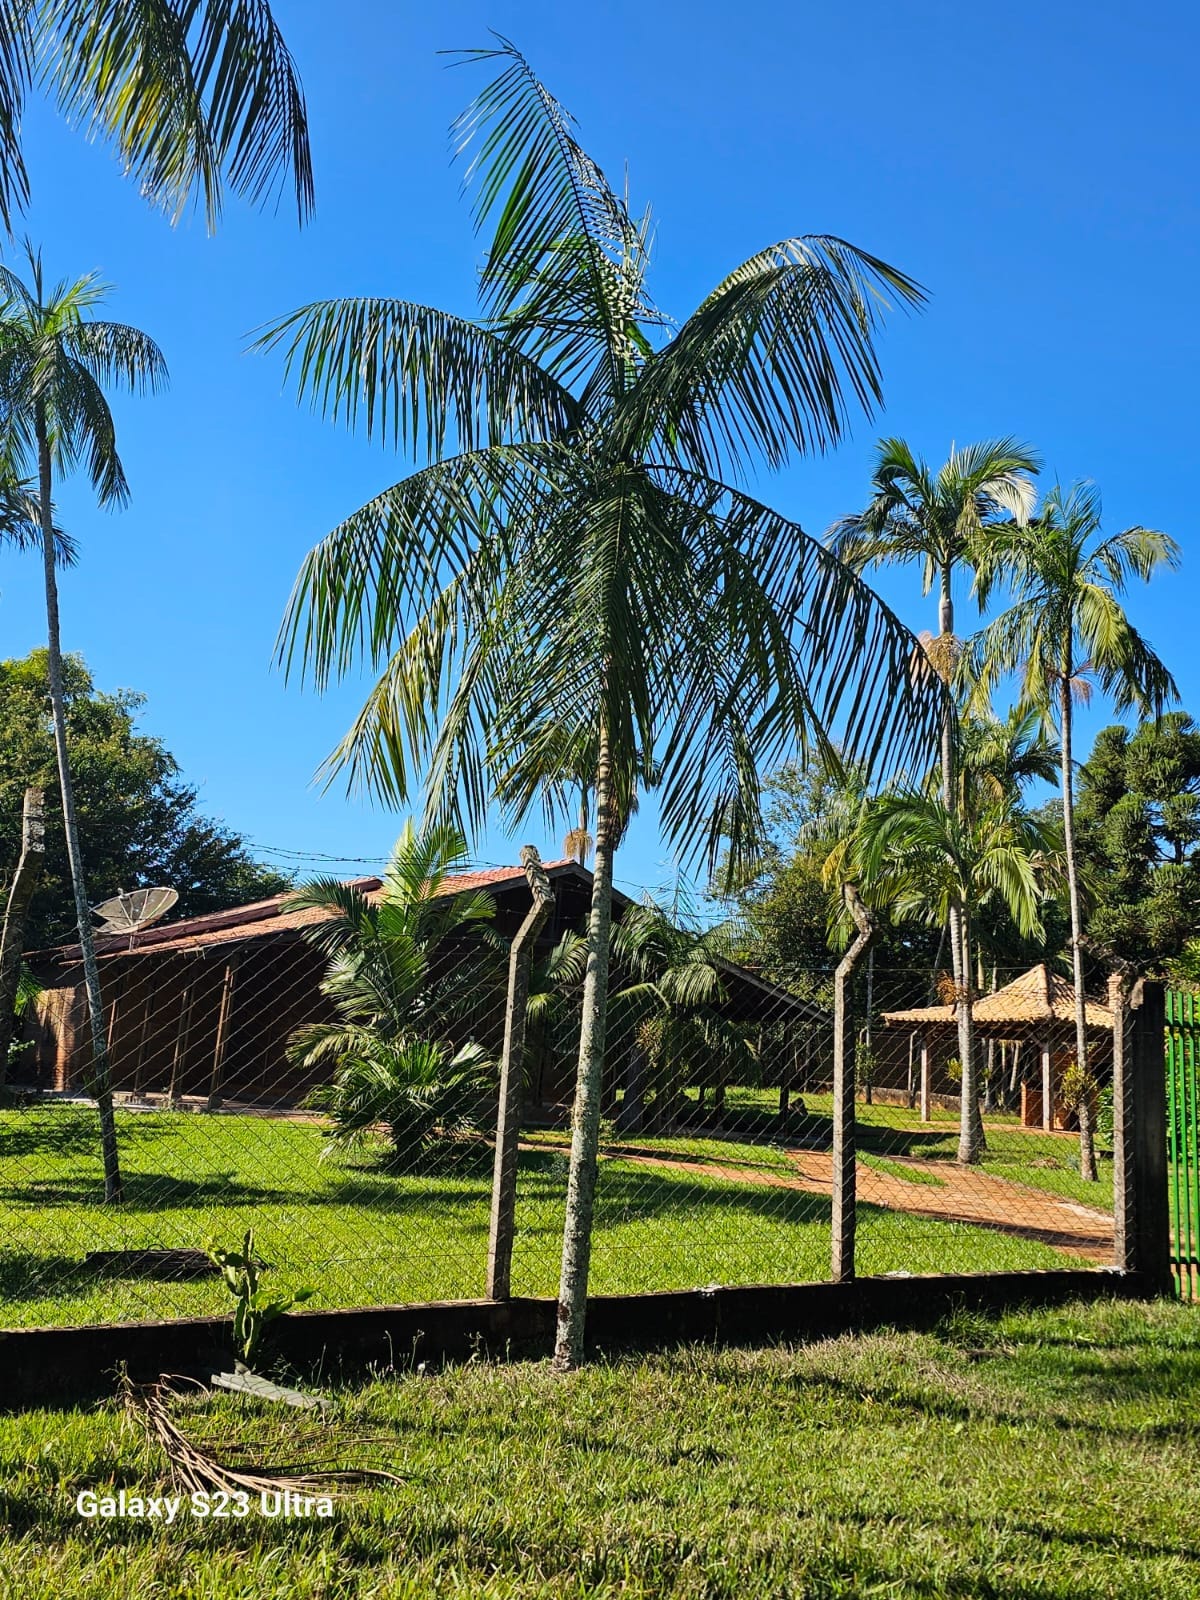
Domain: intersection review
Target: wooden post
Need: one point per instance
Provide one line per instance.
(925, 1077)
(181, 1043)
(508, 1117)
(222, 1044)
(147, 1008)
(16, 912)
(844, 1195)
(1142, 1221)
(1047, 1087)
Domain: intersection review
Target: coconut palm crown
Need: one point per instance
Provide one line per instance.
(583, 573)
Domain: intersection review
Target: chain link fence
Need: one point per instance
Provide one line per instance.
(246, 1099)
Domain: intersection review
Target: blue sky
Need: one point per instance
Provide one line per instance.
(1033, 166)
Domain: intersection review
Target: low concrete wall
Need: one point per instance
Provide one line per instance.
(53, 1366)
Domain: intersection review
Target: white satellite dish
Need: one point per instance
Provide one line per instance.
(132, 911)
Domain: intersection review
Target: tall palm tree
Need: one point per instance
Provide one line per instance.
(1066, 626)
(936, 519)
(943, 864)
(55, 358)
(401, 1044)
(193, 94)
(580, 575)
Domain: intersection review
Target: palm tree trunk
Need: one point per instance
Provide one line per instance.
(970, 1124)
(585, 1118)
(101, 1079)
(1087, 1148)
(971, 1142)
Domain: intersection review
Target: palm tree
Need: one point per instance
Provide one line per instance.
(55, 357)
(936, 519)
(1065, 626)
(400, 1046)
(191, 93)
(581, 575)
(943, 864)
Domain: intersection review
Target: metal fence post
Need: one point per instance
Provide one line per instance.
(1142, 1223)
(502, 1227)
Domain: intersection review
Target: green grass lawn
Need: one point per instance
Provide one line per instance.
(358, 1235)
(1050, 1455)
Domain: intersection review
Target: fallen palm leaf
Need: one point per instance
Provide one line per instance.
(196, 1469)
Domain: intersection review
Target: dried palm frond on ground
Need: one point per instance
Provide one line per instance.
(194, 1467)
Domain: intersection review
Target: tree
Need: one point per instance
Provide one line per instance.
(54, 358)
(405, 993)
(1066, 625)
(581, 576)
(938, 519)
(138, 819)
(943, 865)
(1137, 814)
(192, 94)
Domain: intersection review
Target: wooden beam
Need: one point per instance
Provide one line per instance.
(502, 1227)
(181, 1042)
(1047, 1086)
(844, 1196)
(228, 983)
(925, 1077)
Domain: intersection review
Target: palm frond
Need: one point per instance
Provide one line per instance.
(772, 361)
(415, 375)
(191, 92)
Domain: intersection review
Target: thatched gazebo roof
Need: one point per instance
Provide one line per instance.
(1036, 1002)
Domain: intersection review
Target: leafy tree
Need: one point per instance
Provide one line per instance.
(191, 94)
(1138, 828)
(580, 588)
(401, 1046)
(1065, 627)
(138, 819)
(55, 358)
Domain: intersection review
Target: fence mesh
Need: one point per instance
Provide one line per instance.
(716, 1163)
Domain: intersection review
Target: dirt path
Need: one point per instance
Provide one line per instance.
(961, 1194)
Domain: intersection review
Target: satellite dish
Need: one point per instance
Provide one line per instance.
(132, 911)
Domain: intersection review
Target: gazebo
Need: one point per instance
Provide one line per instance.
(1037, 1008)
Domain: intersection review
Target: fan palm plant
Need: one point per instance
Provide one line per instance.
(1066, 627)
(942, 864)
(56, 357)
(581, 575)
(191, 93)
(402, 997)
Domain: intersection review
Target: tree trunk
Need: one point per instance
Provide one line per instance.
(16, 914)
(1087, 1145)
(971, 1142)
(845, 1197)
(585, 1117)
(970, 1127)
(101, 1078)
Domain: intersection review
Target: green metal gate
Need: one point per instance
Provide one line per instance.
(1183, 1141)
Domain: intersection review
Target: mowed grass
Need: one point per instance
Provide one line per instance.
(1052, 1454)
(357, 1234)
